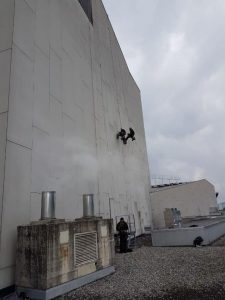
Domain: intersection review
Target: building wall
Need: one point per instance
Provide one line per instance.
(6, 33)
(192, 199)
(70, 93)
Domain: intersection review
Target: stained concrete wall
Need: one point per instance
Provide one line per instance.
(192, 199)
(70, 93)
(48, 253)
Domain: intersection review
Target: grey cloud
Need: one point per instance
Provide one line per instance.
(176, 52)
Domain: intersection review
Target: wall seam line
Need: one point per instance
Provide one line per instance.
(22, 51)
(5, 50)
(15, 143)
(4, 112)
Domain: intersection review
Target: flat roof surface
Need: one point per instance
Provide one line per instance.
(199, 221)
(162, 273)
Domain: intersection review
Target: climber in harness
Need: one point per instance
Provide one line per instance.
(130, 135)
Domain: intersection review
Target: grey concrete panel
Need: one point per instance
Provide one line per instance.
(16, 200)
(40, 165)
(35, 206)
(56, 26)
(23, 35)
(3, 128)
(41, 104)
(21, 99)
(6, 23)
(6, 276)
(55, 76)
(32, 4)
(5, 63)
(56, 118)
(42, 26)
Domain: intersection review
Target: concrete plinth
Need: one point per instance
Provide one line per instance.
(55, 253)
(66, 287)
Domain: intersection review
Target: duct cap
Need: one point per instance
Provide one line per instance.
(48, 205)
(88, 205)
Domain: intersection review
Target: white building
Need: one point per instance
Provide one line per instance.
(65, 92)
(221, 205)
(197, 198)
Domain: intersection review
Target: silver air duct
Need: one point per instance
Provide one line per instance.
(48, 205)
(88, 205)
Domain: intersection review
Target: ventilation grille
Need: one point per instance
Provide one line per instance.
(85, 248)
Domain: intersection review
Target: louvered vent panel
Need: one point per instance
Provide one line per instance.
(85, 248)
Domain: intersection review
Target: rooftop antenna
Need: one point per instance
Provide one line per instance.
(164, 179)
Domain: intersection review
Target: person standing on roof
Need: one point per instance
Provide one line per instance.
(122, 228)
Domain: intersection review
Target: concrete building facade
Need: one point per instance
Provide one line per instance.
(65, 92)
(192, 199)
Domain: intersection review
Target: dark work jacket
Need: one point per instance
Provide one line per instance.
(122, 227)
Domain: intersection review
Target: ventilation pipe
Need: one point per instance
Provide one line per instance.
(48, 205)
(88, 205)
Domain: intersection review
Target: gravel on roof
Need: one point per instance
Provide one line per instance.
(162, 273)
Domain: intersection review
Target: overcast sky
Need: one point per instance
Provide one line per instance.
(176, 52)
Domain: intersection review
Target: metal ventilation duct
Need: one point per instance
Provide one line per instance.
(88, 205)
(48, 205)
